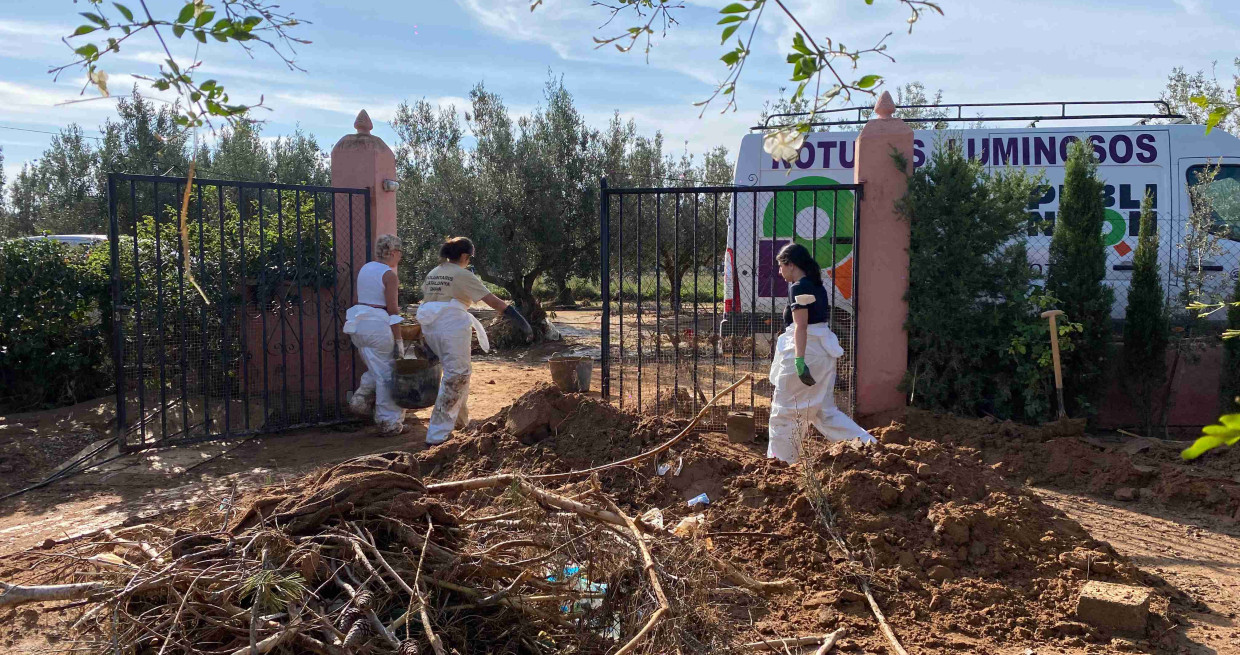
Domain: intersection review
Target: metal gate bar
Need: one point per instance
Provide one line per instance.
(739, 339)
(186, 329)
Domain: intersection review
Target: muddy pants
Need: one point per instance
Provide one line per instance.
(370, 330)
(795, 406)
(448, 329)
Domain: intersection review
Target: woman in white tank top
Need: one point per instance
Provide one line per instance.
(373, 327)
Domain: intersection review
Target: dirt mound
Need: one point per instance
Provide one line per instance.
(1126, 468)
(958, 553)
(546, 431)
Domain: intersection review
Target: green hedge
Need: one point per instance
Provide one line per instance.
(54, 325)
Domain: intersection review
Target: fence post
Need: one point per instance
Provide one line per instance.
(604, 220)
(359, 161)
(364, 161)
(118, 337)
(882, 264)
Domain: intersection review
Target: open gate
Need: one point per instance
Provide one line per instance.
(692, 295)
(230, 324)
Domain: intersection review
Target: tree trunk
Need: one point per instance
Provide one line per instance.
(505, 335)
(564, 295)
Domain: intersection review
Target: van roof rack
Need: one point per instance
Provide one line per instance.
(1079, 112)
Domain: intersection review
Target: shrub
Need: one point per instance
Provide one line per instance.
(1146, 326)
(53, 326)
(1077, 268)
(974, 333)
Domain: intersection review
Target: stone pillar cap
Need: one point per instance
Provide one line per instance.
(364, 125)
(885, 107)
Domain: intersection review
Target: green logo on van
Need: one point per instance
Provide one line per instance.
(790, 210)
(1114, 228)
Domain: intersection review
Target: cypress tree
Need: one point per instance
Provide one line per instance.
(1146, 326)
(969, 284)
(1077, 268)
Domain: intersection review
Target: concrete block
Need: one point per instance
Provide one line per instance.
(1114, 607)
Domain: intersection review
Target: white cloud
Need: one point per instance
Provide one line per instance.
(1193, 7)
(567, 28)
(26, 40)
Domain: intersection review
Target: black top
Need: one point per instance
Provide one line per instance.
(819, 310)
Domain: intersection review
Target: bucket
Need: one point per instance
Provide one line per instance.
(740, 427)
(415, 383)
(411, 332)
(571, 374)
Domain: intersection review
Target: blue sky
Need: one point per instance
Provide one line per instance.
(374, 54)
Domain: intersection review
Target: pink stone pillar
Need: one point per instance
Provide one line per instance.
(359, 161)
(882, 271)
(364, 161)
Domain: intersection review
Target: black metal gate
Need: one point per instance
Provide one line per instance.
(692, 295)
(229, 323)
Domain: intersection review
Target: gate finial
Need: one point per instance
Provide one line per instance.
(363, 123)
(885, 107)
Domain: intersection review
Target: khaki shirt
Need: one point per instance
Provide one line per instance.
(448, 281)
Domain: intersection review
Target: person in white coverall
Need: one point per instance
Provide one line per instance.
(803, 370)
(372, 326)
(447, 327)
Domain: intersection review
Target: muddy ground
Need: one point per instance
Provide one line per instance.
(1175, 531)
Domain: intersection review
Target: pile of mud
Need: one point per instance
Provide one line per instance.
(1126, 469)
(956, 554)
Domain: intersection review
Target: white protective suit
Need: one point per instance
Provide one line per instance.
(795, 406)
(370, 330)
(447, 328)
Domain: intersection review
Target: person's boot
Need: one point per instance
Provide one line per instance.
(462, 418)
(362, 404)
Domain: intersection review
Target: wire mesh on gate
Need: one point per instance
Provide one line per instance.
(693, 298)
(231, 324)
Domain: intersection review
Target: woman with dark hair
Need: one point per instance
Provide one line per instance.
(806, 349)
(447, 326)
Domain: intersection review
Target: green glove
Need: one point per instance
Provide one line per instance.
(803, 373)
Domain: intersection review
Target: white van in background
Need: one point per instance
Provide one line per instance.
(1161, 160)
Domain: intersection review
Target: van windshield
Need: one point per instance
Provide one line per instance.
(1223, 194)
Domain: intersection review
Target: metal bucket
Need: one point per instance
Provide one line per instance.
(571, 374)
(415, 382)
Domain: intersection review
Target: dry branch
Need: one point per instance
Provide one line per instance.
(14, 595)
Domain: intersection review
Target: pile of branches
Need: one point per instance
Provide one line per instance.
(366, 557)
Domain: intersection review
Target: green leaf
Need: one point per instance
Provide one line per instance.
(1226, 433)
(187, 13)
(87, 51)
(727, 31)
(734, 8)
(798, 44)
(204, 18)
(124, 11)
(200, 35)
(731, 57)
(222, 38)
(868, 81)
(95, 18)
(1200, 101)
(84, 29)
(731, 19)
(178, 30)
(1215, 117)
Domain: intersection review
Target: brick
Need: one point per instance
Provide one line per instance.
(1114, 607)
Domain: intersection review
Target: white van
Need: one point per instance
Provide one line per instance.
(1134, 160)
